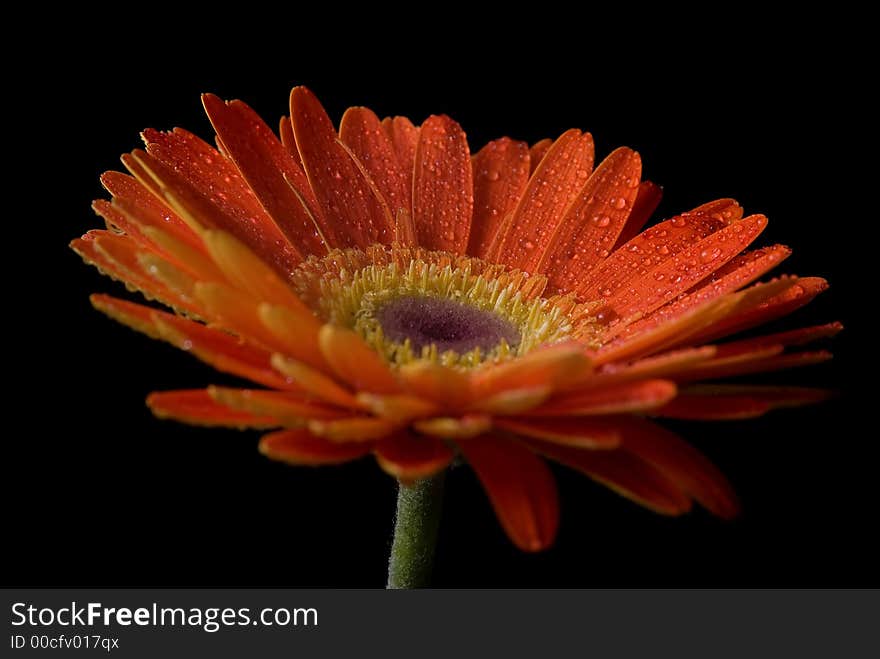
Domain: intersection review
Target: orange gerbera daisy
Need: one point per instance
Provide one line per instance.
(392, 294)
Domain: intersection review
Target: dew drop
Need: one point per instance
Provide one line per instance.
(619, 203)
(678, 221)
(493, 175)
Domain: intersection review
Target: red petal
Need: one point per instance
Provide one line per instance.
(537, 152)
(442, 186)
(761, 361)
(299, 447)
(521, 489)
(362, 132)
(219, 349)
(624, 473)
(683, 465)
(354, 216)
(354, 362)
(591, 225)
(553, 187)
(757, 309)
(619, 399)
(285, 132)
(501, 173)
(654, 285)
(659, 243)
(795, 337)
(271, 172)
(138, 201)
(576, 432)
(195, 406)
(410, 457)
(647, 200)
(404, 137)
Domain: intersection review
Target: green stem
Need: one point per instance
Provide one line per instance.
(415, 533)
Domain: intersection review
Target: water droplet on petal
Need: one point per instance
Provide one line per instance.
(678, 221)
(619, 203)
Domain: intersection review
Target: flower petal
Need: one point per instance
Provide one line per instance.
(354, 429)
(315, 382)
(399, 408)
(465, 427)
(553, 187)
(297, 333)
(299, 447)
(590, 227)
(521, 488)
(270, 170)
(647, 200)
(660, 243)
(442, 186)
(683, 465)
(355, 362)
(404, 137)
(501, 173)
(409, 457)
(616, 399)
(577, 432)
(624, 473)
(362, 132)
(655, 285)
(553, 366)
(354, 216)
(196, 407)
(443, 385)
(537, 152)
(288, 408)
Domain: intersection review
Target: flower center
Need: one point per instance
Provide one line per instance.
(449, 325)
(412, 304)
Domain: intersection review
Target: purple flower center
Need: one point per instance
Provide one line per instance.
(448, 324)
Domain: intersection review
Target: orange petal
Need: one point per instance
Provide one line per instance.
(355, 362)
(553, 187)
(285, 132)
(653, 286)
(354, 216)
(521, 489)
(196, 407)
(270, 170)
(315, 382)
(465, 427)
(795, 337)
(660, 366)
(234, 311)
(296, 333)
(399, 408)
(501, 173)
(219, 349)
(289, 409)
(249, 273)
(440, 384)
(513, 401)
(552, 366)
(617, 399)
(137, 200)
(442, 186)
(624, 473)
(362, 132)
(683, 465)
(410, 458)
(758, 310)
(299, 447)
(763, 360)
(355, 429)
(751, 297)
(537, 152)
(742, 270)
(647, 200)
(590, 227)
(568, 432)
(199, 182)
(117, 256)
(404, 137)
(660, 243)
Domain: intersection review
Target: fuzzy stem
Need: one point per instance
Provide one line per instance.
(415, 532)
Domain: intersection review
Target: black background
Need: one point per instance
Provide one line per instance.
(100, 493)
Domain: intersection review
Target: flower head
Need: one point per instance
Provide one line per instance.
(388, 293)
